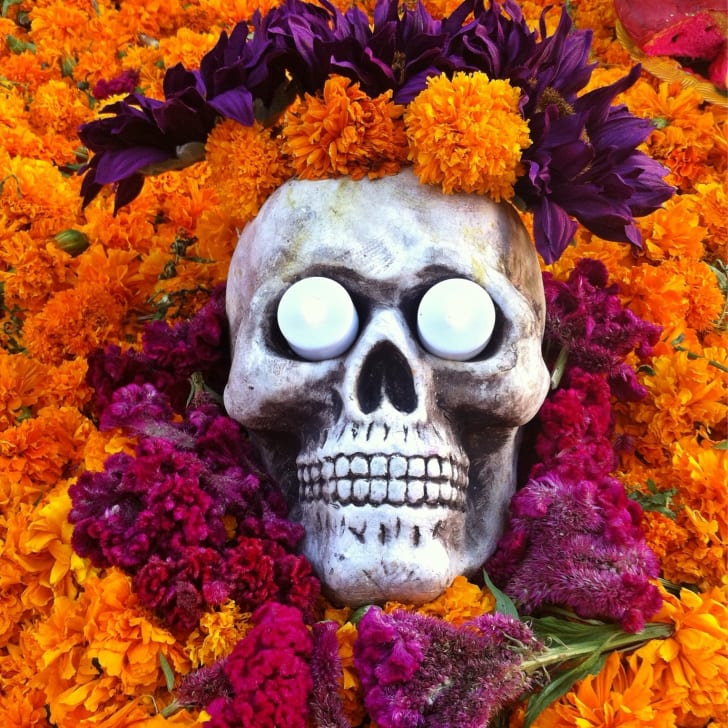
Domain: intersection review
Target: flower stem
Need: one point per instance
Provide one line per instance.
(618, 640)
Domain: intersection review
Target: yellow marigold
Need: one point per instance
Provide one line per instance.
(245, 167)
(467, 134)
(219, 631)
(460, 602)
(344, 132)
(618, 697)
(691, 665)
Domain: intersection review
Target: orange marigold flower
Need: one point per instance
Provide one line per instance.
(460, 602)
(36, 453)
(674, 231)
(22, 381)
(685, 133)
(344, 132)
(677, 290)
(74, 323)
(467, 134)
(35, 269)
(618, 697)
(687, 394)
(691, 665)
(246, 166)
(713, 212)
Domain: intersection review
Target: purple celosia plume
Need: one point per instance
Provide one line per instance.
(327, 708)
(585, 316)
(421, 672)
(577, 544)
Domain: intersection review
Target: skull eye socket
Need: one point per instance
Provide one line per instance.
(456, 319)
(317, 318)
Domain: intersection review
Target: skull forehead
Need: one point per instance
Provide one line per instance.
(388, 230)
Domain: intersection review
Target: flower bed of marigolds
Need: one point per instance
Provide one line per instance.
(148, 573)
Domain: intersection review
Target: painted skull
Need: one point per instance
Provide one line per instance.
(398, 462)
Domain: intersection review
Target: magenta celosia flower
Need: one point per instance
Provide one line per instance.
(124, 83)
(269, 674)
(577, 544)
(575, 429)
(202, 686)
(170, 355)
(327, 708)
(585, 316)
(421, 672)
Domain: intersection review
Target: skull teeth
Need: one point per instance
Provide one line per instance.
(379, 479)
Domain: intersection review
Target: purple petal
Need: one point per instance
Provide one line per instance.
(117, 165)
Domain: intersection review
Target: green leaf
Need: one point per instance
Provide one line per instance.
(561, 685)
(722, 445)
(655, 500)
(168, 672)
(7, 4)
(503, 603)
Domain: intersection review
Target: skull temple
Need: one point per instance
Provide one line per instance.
(399, 463)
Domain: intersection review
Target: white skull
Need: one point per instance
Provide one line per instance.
(399, 464)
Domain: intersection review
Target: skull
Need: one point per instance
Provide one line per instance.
(400, 464)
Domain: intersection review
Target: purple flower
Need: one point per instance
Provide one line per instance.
(577, 544)
(583, 163)
(142, 133)
(124, 83)
(269, 674)
(585, 316)
(202, 686)
(327, 708)
(420, 672)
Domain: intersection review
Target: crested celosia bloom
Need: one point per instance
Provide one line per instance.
(268, 672)
(467, 134)
(344, 132)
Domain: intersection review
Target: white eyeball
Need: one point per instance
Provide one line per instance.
(455, 319)
(317, 318)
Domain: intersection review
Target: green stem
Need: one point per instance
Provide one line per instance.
(559, 367)
(617, 641)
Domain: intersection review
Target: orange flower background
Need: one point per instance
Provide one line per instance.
(76, 648)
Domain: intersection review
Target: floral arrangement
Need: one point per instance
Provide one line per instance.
(148, 573)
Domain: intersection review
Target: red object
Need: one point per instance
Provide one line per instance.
(693, 29)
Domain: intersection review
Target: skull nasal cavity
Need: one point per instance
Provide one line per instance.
(386, 373)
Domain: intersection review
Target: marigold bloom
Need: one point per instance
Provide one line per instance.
(461, 602)
(345, 132)
(615, 698)
(246, 166)
(685, 132)
(467, 134)
(691, 666)
(219, 631)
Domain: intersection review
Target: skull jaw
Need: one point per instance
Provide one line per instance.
(372, 554)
